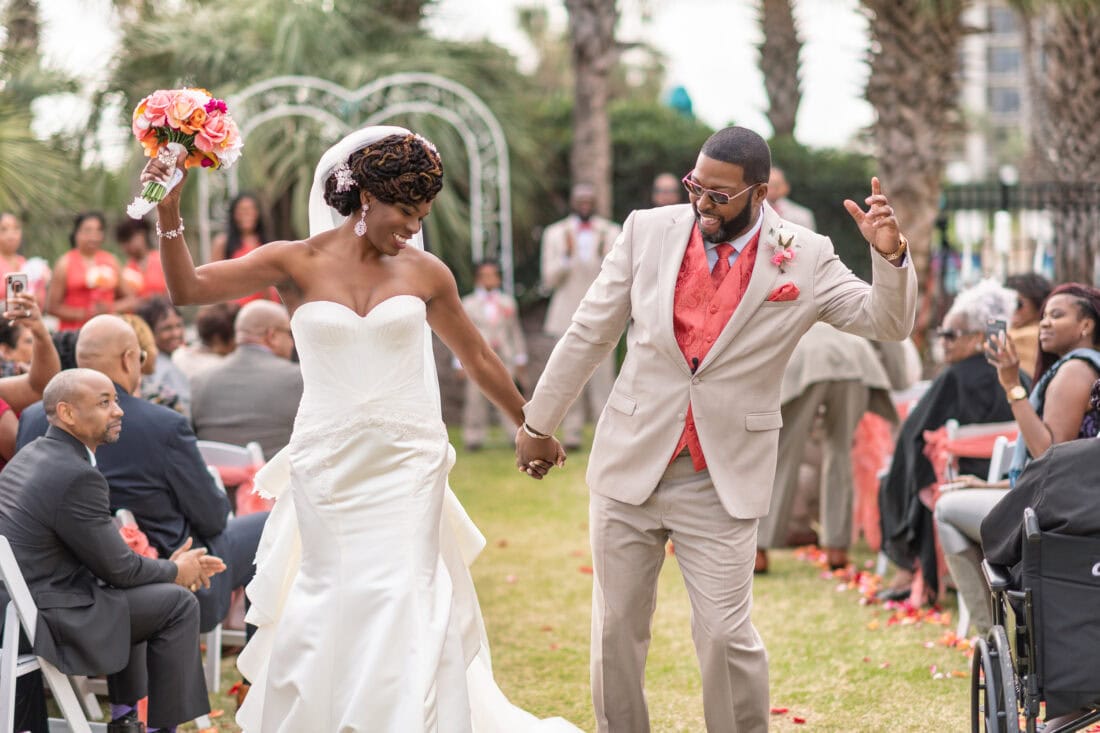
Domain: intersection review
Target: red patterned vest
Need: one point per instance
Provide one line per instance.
(700, 312)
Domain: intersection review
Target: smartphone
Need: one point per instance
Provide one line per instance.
(14, 284)
(995, 328)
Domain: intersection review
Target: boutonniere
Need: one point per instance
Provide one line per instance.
(783, 252)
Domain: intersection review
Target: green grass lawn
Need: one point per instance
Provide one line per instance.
(834, 663)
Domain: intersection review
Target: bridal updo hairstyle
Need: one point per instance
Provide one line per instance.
(398, 169)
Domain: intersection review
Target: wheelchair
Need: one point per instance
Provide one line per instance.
(1056, 655)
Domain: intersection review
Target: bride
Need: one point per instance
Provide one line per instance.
(366, 615)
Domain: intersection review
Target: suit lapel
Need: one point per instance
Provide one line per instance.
(763, 277)
(673, 245)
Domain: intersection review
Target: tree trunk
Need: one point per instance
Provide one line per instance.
(914, 88)
(1070, 96)
(779, 54)
(595, 53)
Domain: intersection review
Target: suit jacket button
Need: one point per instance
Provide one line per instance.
(714, 309)
(696, 380)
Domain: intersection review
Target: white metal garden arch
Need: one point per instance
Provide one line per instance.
(341, 110)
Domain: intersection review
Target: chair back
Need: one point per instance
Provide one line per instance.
(216, 453)
(1001, 460)
(16, 586)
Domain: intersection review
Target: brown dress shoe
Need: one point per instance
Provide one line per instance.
(837, 557)
(761, 565)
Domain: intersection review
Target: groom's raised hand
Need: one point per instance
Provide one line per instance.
(536, 456)
(878, 225)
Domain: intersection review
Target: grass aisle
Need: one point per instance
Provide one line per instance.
(535, 592)
(827, 666)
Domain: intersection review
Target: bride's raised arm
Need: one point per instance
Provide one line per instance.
(217, 281)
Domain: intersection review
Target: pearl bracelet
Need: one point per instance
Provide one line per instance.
(533, 433)
(171, 233)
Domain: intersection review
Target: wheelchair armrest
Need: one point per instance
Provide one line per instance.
(997, 576)
(1031, 525)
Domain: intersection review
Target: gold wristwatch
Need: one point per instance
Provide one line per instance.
(897, 253)
(1017, 393)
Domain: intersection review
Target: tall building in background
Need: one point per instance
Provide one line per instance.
(994, 91)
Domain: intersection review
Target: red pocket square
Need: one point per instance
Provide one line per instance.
(786, 291)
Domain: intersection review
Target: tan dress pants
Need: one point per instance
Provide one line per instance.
(715, 553)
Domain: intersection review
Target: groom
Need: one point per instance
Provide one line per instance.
(714, 295)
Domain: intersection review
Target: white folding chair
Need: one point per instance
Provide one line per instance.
(998, 467)
(224, 454)
(22, 614)
(217, 453)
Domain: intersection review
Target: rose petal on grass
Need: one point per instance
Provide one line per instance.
(546, 627)
(216, 713)
(586, 569)
(780, 711)
(502, 543)
(577, 553)
(510, 579)
(797, 720)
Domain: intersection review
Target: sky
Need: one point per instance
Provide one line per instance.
(710, 46)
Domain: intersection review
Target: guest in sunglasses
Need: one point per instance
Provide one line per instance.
(966, 390)
(1032, 290)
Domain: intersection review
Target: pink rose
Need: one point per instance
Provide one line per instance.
(156, 107)
(777, 259)
(212, 133)
(183, 105)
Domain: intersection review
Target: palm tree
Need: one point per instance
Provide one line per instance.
(595, 56)
(914, 88)
(779, 64)
(1068, 138)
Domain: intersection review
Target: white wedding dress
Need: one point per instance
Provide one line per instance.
(367, 617)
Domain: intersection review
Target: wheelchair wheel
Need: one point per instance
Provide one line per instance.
(993, 686)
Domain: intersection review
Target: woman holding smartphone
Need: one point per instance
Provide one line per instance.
(1059, 408)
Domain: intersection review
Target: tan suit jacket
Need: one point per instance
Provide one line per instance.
(735, 391)
(825, 354)
(569, 277)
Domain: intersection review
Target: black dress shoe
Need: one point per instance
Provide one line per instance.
(128, 723)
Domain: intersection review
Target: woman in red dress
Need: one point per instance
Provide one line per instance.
(87, 279)
(244, 232)
(142, 272)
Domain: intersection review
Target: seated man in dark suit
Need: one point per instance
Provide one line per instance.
(156, 472)
(1061, 486)
(253, 394)
(103, 609)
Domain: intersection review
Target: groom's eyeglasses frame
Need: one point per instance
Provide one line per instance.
(718, 197)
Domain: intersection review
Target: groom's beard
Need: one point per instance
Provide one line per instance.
(730, 227)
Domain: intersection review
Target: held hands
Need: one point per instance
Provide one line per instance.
(536, 456)
(878, 225)
(1001, 353)
(194, 568)
(155, 170)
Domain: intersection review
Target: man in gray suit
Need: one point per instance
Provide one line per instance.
(254, 394)
(103, 608)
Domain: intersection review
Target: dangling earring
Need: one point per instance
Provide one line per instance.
(361, 225)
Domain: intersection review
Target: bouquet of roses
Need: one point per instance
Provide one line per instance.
(171, 121)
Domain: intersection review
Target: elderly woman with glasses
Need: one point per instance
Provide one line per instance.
(966, 390)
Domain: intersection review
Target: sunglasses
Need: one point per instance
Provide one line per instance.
(950, 334)
(718, 197)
